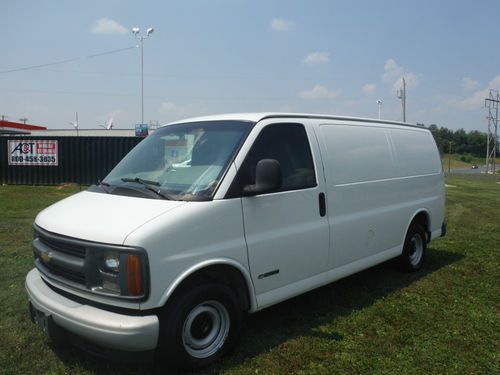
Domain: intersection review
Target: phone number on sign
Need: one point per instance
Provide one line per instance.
(33, 159)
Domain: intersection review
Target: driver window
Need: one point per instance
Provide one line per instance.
(288, 144)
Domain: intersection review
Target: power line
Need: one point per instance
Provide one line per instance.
(66, 60)
(110, 52)
(188, 76)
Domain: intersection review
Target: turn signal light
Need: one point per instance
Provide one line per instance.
(134, 276)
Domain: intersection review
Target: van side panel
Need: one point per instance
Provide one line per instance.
(416, 152)
(417, 155)
(374, 187)
(357, 154)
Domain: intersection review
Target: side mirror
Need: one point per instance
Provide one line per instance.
(268, 178)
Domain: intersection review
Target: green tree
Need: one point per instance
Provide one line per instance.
(460, 141)
(477, 143)
(472, 142)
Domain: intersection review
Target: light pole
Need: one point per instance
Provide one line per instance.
(136, 32)
(379, 103)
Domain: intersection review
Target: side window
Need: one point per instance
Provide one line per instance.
(288, 144)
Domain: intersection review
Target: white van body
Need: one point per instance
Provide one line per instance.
(376, 178)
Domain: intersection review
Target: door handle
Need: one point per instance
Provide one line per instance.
(322, 204)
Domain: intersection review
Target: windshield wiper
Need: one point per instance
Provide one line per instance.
(149, 185)
(104, 185)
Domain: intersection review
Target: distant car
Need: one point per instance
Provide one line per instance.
(474, 166)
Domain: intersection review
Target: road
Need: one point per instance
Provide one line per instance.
(479, 170)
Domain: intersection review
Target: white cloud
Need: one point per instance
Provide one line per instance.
(495, 83)
(319, 92)
(476, 100)
(369, 88)
(315, 58)
(280, 24)
(410, 79)
(394, 73)
(469, 84)
(108, 26)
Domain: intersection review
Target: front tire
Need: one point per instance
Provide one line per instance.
(199, 326)
(414, 249)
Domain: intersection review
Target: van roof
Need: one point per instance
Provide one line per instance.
(258, 116)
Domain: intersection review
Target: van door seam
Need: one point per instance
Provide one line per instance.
(246, 245)
(325, 188)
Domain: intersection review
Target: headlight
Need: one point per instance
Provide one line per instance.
(103, 269)
(119, 273)
(112, 261)
(109, 273)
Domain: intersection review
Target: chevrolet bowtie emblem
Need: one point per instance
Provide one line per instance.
(46, 256)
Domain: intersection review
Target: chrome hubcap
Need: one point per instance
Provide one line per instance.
(205, 329)
(416, 249)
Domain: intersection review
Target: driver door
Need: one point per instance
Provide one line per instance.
(286, 231)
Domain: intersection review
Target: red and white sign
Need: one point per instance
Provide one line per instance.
(33, 152)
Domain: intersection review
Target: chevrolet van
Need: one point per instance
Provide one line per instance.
(212, 217)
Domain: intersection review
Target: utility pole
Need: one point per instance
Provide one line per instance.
(24, 120)
(402, 95)
(491, 146)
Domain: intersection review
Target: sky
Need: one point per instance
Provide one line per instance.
(224, 56)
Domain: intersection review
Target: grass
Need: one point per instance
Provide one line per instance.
(456, 163)
(443, 319)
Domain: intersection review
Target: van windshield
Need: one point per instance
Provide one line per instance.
(179, 162)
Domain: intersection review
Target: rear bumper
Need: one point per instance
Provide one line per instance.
(103, 328)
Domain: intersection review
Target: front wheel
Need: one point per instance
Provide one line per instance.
(199, 326)
(412, 257)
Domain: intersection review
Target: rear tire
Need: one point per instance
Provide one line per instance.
(199, 326)
(414, 249)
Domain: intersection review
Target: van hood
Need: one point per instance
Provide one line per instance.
(101, 217)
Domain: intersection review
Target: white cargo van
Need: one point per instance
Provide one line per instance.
(212, 217)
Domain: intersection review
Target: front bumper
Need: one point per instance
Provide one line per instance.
(101, 327)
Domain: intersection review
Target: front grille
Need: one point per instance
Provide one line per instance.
(74, 276)
(63, 247)
(56, 256)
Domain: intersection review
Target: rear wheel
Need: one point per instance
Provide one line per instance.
(412, 257)
(199, 326)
